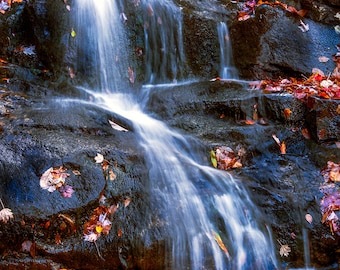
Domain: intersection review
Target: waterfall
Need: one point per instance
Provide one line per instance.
(227, 68)
(210, 219)
(163, 41)
(103, 42)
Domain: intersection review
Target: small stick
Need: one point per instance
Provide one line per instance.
(100, 256)
(2, 204)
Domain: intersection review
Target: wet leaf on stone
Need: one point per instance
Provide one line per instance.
(99, 158)
(6, 214)
(220, 243)
(213, 158)
(73, 33)
(117, 127)
(309, 218)
(323, 59)
(287, 112)
(284, 250)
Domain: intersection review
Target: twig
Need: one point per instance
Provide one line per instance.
(2, 204)
(99, 255)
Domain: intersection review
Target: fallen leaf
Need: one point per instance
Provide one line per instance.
(303, 27)
(255, 114)
(276, 139)
(73, 33)
(57, 239)
(213, 158)
(76, 172)
(131, 75)
(68, 219)
(287, 112)
(47, 224)
(99, 158)
(305, 133)
(219, 241)
(338, 109)
(6, 214)
(284, 250)
(323, 59)
(337, 29)
(53, 178)
(249, 122)
(117, 127)
(112, 175)
(127, 202)
(66, 191)
(309, 218)
(283, 148)
(322, 134)
(33, 249)
(326, 83)
(120, 233)
(26, 246)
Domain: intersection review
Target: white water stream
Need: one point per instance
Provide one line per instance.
(197, 200)
(228, 70)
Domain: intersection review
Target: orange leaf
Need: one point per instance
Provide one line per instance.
(120, 232)
(283, 148)
(302, 12)
(305, 133)
(47, 224)
(249, 122)
(219, 241)
(287, 112)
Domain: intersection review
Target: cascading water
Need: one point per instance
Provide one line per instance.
(163, 41)
(199, 203)
(228, 70)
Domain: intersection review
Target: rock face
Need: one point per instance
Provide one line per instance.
(43, 125)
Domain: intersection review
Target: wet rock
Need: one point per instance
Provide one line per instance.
(324, 119)
(272, 45)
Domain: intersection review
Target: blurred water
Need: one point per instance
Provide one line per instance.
(227, 67)
(210, 219)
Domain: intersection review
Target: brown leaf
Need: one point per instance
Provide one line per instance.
(305, 133)
(33, 249)
(57, 239)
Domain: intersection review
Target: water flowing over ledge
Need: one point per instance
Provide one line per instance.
(210, 220)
